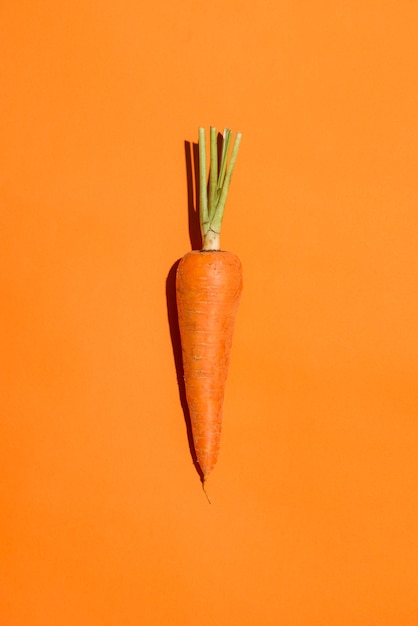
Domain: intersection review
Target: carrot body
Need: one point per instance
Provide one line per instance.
(209, 286)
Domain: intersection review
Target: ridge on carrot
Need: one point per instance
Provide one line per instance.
(208, 292)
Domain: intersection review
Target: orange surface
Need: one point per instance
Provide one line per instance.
(314, 520)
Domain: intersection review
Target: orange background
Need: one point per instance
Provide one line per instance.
(315, 507)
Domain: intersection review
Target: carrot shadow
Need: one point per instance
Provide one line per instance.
(192, 178)
(178, 361)
(193, 193)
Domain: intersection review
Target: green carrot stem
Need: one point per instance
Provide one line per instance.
(213, 173)
(216, 221)
(204, 217)
(225, 149)
(219, 181)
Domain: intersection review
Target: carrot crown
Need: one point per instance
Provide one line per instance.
(213, 200)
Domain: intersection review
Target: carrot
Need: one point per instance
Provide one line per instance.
(208, 289)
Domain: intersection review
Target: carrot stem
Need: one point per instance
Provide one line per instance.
(219, 181)
(216, 221)
(225, 148)
(213, 173)
(204, 217)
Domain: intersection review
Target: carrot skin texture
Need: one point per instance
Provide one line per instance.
(208, 289)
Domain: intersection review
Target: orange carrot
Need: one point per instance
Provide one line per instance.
(208, 286)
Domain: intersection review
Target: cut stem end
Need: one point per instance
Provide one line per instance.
(211, 241)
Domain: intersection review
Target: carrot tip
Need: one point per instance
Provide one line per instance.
(204, 489)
